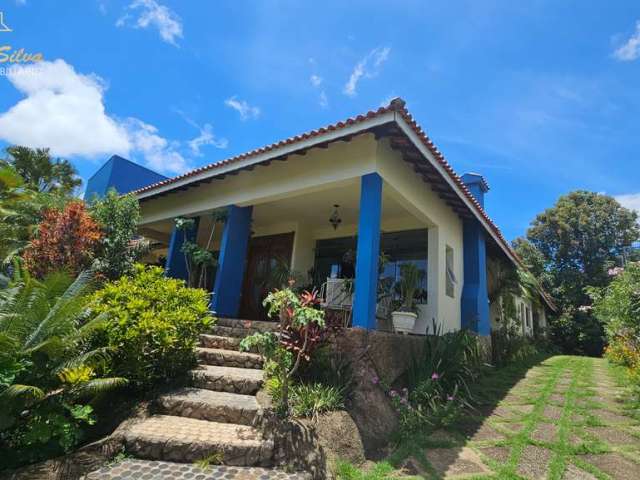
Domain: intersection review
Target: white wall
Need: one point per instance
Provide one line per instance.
(445, 228)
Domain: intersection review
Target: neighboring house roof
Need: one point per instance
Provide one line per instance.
(393, 120)
(121, 174)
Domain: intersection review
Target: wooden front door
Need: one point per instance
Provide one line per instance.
(267, 258)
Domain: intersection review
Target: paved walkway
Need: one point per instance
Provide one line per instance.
(565, 419)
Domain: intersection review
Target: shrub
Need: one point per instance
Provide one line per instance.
(438, 381)
(310, 400)
(48, 375)
(153, 323)
(118, 219)
(66, 240)
(301, 330)
(618, 306)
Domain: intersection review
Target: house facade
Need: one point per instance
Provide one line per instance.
(344, 207)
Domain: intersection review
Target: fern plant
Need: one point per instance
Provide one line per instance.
(47, 373)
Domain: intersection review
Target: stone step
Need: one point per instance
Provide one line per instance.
(135, 469)
(236, 331)
(253, 325)
(181, 439)
(204, 404)
(228, 358)
(246, 381)
(216, 341)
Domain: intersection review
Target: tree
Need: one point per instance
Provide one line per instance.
(581, 238)
(571, 247)
(41, 172)
(21, 210)
(67, 240)
(118, 217)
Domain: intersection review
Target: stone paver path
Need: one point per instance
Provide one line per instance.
(131, 469)
(212, 421)
(564, 419)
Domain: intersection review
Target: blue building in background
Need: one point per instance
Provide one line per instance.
(121, 174)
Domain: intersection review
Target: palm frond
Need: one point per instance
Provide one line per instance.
(101, 385)
(23, 392)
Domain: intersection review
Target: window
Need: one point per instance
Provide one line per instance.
(451, 277)
(335, 258)
(528, 317)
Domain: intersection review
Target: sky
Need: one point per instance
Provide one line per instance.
(540, 97)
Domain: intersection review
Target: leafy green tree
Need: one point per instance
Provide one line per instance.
(21, 209)
(579, 239)
(118, 217)
(41, 172)
(48, 375)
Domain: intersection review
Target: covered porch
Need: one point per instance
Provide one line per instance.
(347, 240)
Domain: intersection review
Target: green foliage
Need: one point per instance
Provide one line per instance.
(509, 345)
(582, 236)
(199, 260)
(21, 208)
(41, 172)
(152, 326)
(47, 371)
(348, 471)
(118, 218)
(410, 278)
(618, 307)
(438, 381)
(310, 400)
(298, 335)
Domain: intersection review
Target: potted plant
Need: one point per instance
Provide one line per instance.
(404, 318)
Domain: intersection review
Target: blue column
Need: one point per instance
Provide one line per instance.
(475, 298)
(368, 252)
(231, 263)
(176, 266)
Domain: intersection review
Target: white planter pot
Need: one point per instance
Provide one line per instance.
(403, 322)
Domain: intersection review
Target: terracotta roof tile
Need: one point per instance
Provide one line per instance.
(396, 105)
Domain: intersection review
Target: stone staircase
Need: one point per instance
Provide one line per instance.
(212, 420)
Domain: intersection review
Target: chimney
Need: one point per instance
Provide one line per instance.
(477, 185)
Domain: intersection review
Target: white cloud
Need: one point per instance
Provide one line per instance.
(245, 110)
(205, 138)
(64, 110)
(630, 50)
(324, 101)
(630, 201)
(149, 13)
(316, 80)
(368, 67)
(159, 153)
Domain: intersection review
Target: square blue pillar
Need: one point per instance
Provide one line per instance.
(231, 262)
(176, 266)
(475, 297)
(368, 252)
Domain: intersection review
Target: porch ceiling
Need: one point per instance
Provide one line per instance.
(316, 208)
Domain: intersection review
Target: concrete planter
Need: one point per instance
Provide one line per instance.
(403, 322)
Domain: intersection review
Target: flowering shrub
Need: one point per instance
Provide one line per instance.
(618, 306)
(66, 240)
(437, 389)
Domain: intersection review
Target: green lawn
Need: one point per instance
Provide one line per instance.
(564, 417)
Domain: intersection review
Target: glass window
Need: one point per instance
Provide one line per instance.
(335, 258)
(451, 277)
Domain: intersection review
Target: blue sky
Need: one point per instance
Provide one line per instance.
(541, 97)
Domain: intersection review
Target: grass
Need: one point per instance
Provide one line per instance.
(559, 385)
